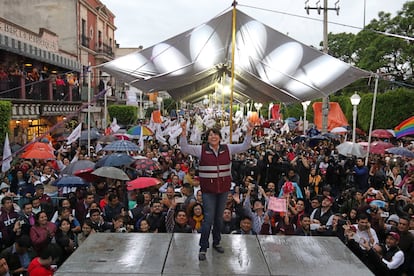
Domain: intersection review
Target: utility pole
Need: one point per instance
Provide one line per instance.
(318, 7)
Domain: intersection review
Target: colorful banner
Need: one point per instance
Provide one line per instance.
(405, 128)
(277, 204)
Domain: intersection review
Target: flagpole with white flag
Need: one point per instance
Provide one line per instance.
(75, 135)
(114, 125)
(7, 155)
(141, 139)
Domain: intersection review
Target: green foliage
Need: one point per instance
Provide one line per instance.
(391, 108)
(5, 117)
(124, 114)
(169, 104)
(374, 51)
(149, 111)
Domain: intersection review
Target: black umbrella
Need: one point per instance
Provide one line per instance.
(72, 168)
(95, 134)
(114, 160)
(331, 135)
(300, 138)
(146, 164)
(314, 140)
(71, 181)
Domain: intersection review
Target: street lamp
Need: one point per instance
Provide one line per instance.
(105, 78)
(355, 100)
(305, 105)
(141, 105)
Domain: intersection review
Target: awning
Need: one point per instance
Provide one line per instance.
(268, 64)
(16, 46)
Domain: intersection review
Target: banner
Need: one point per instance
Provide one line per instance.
(275, 111)
(7, 155)
(277, 204)
(75, 135)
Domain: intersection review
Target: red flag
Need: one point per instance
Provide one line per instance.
(276, 112)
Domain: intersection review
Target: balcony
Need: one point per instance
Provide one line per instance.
(85, 41)
(104, 52)
(18, 88)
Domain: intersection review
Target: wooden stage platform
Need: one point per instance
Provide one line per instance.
(128, 254)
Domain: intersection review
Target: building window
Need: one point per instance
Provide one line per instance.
(99, 39)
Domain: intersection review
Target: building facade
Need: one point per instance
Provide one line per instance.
(47, 49)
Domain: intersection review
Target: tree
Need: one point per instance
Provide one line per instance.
(371, 49)
(124, 114)
(5, 117)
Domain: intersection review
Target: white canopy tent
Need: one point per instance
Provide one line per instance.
(269, 66)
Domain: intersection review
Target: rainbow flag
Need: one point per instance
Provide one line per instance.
(405, 128)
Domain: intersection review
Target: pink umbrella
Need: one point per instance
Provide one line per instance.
(379, 147)
(142, 182)
(381, 133)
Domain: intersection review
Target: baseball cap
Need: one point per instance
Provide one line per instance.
(331, 199)
(395, 235)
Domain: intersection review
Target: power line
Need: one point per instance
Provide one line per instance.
(331, 22)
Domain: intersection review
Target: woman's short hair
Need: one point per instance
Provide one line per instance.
(214, 130)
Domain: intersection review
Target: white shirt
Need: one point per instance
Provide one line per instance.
(359, 235)
(396, 261)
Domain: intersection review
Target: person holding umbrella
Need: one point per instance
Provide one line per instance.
(215, 180)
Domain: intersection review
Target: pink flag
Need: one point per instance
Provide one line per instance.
(277, 204)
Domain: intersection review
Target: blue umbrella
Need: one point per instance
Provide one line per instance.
(293, 119)
(401, 151)
(71, 181)
(122, 145)
(114, 160)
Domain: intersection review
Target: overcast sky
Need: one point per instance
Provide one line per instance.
(147, 22)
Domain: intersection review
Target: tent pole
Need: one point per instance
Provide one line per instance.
(371, 123)
(233, 48)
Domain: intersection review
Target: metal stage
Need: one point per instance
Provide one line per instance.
(177, 254)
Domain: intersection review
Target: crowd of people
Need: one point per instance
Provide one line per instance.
(36, 83)
(370, 208)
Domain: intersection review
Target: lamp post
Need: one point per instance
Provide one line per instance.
(89, 109)
(305, 105)
(140, 104)
(355, 100)
(105, 78)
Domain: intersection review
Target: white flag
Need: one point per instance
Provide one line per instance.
(114, 126)
(7, 155)
(76, 133)
(141, 140)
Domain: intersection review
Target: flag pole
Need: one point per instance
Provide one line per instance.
(233, 47)
(89, 109)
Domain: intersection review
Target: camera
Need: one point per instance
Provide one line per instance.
(122, 230)
(385, 214)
